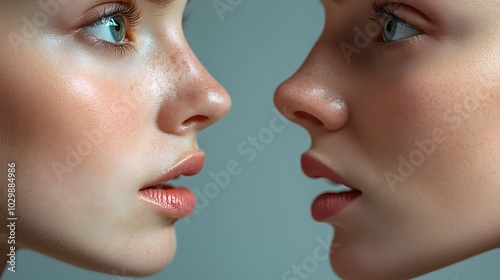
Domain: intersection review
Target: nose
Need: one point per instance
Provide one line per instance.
(197, 100)
(312, 98)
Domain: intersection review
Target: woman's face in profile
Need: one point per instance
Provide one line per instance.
(100, 102)
(401, 99)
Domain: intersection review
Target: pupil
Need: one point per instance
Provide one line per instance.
(390, 28)
(118, 28)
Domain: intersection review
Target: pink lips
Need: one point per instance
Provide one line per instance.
(171, 201)
(328, 204)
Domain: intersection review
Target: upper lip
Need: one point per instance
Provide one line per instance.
(315, 168)
(187, 166)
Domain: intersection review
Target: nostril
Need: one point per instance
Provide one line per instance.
(306, 117)
(194, 120)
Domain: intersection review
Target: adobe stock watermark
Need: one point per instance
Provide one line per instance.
(32, 25)
(454, 118)
(78, 151)
(225, 6)
(310, 264)
(11, 216)
(249, 149)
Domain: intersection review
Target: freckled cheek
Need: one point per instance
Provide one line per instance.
(106, 130)
(51, 119)
(116, 118)
(393, 119)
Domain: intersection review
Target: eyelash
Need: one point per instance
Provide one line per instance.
(132, 15)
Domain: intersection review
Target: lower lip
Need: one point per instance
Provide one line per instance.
(176, 203)
(330, 204)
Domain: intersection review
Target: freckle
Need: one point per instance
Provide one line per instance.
(173, 62)
(173, 58)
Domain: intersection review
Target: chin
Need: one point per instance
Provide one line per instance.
(133, 264)
(140, 260)
(350, 269)
(133, 256)
(142, 267)
(354, 261)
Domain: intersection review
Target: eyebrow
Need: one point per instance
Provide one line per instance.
(338, 2)
(165, 3)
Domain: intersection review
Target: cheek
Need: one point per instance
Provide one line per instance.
(435, 112)
(389, 120)
(49, 119)
(440, 136)
(66, 131)
(429, 135)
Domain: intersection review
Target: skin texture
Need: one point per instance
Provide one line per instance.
(140, 109)
(366, 111)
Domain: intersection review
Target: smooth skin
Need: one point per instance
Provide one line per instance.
(140, 109)
(369, 109)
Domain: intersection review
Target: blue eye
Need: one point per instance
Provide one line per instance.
(395, 29)
(110, 29)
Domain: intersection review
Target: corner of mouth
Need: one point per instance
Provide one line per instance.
(349, 189)
(316, 168)
(353, 189)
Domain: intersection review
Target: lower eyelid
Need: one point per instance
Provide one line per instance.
(409, 44)
(98, 45)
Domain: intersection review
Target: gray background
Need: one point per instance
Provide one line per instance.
(260, 224)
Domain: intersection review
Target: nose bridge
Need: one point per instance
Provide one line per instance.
(328, 62)
(196, 99)
(315, 96)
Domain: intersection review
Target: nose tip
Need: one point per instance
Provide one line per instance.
(310, 105)
(213, 108)
(204, 103)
